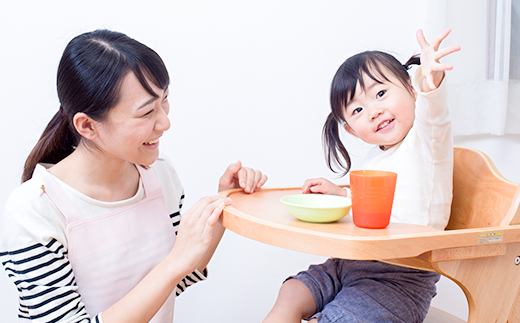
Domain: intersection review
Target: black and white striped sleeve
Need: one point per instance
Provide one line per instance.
(195, 276)
(45, 282)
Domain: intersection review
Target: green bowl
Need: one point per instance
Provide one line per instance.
(317, 208)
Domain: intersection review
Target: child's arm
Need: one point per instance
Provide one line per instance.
(432, 69)
(323, 186)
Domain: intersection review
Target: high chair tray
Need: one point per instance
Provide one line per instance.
(262, 217)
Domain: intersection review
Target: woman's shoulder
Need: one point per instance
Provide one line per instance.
(29, 216)
(164, 170)
(169, 179)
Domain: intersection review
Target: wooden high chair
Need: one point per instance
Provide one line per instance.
(488, 270)
(479, 250)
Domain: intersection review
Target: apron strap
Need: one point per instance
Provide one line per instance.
(151, 184)
(59, 198)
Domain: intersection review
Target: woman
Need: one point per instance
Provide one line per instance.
(93, 233)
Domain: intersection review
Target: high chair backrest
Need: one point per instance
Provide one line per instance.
(482, 197)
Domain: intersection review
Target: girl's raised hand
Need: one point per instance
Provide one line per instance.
(237, 176)
(432, 69)
(323, 186)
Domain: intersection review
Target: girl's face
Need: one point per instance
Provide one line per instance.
(133, 127)
(382, 113)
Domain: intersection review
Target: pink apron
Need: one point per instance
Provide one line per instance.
(111, 253)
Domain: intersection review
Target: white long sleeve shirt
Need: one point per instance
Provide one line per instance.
(423, 162)
(33, 245)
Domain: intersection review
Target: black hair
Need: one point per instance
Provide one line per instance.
(343, 89)
(90, 74)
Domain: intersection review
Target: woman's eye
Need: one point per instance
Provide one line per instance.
(380, 94)
(148, 113)
(356, 111)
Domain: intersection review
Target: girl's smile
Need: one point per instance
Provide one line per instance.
(384, 125)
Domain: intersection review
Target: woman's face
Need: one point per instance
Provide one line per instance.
(133, 127)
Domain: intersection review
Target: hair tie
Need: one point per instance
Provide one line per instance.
(406, 67)
(62, 113)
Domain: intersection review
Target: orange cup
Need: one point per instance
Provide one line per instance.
(372, 197)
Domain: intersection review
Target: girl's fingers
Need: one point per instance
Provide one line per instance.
(437, 40)
(306, 187)
(421, 40)
(442, 67)
(446, 51)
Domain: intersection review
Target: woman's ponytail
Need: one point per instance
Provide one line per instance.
(57, 142)
(334, 147)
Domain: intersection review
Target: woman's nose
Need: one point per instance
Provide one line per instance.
(163, 122)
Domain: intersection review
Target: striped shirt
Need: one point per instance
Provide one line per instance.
(33, 247)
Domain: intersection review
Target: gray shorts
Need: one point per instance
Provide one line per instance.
(368, 291)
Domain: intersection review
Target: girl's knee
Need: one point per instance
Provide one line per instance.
(295, 294)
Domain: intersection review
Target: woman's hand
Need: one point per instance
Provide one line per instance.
(432, 69)
(323, 186)
(196, 231)
(237, 176)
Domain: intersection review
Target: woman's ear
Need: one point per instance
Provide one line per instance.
(350, 130)
(85, 125)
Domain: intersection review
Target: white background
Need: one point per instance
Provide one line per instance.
(250, 81)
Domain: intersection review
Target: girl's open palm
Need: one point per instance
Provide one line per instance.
(432, 69)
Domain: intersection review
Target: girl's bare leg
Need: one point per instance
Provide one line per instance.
(294, 303)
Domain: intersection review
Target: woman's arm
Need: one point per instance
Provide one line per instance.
(194, 240)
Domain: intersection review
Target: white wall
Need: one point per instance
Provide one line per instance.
(250, 81)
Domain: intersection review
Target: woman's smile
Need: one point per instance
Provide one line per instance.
(152, 143)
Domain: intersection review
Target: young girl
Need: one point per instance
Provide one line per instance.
(94, 233)
(408, 121)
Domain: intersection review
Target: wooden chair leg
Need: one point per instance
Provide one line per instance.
(515, 313)
(491, 284)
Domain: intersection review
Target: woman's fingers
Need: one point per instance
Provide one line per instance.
(260, 179)
(249, 179)
(203, 208)
(229, 178)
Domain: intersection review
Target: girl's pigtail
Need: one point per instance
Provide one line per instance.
(334, 147)
(414, 60)
(56, 143)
